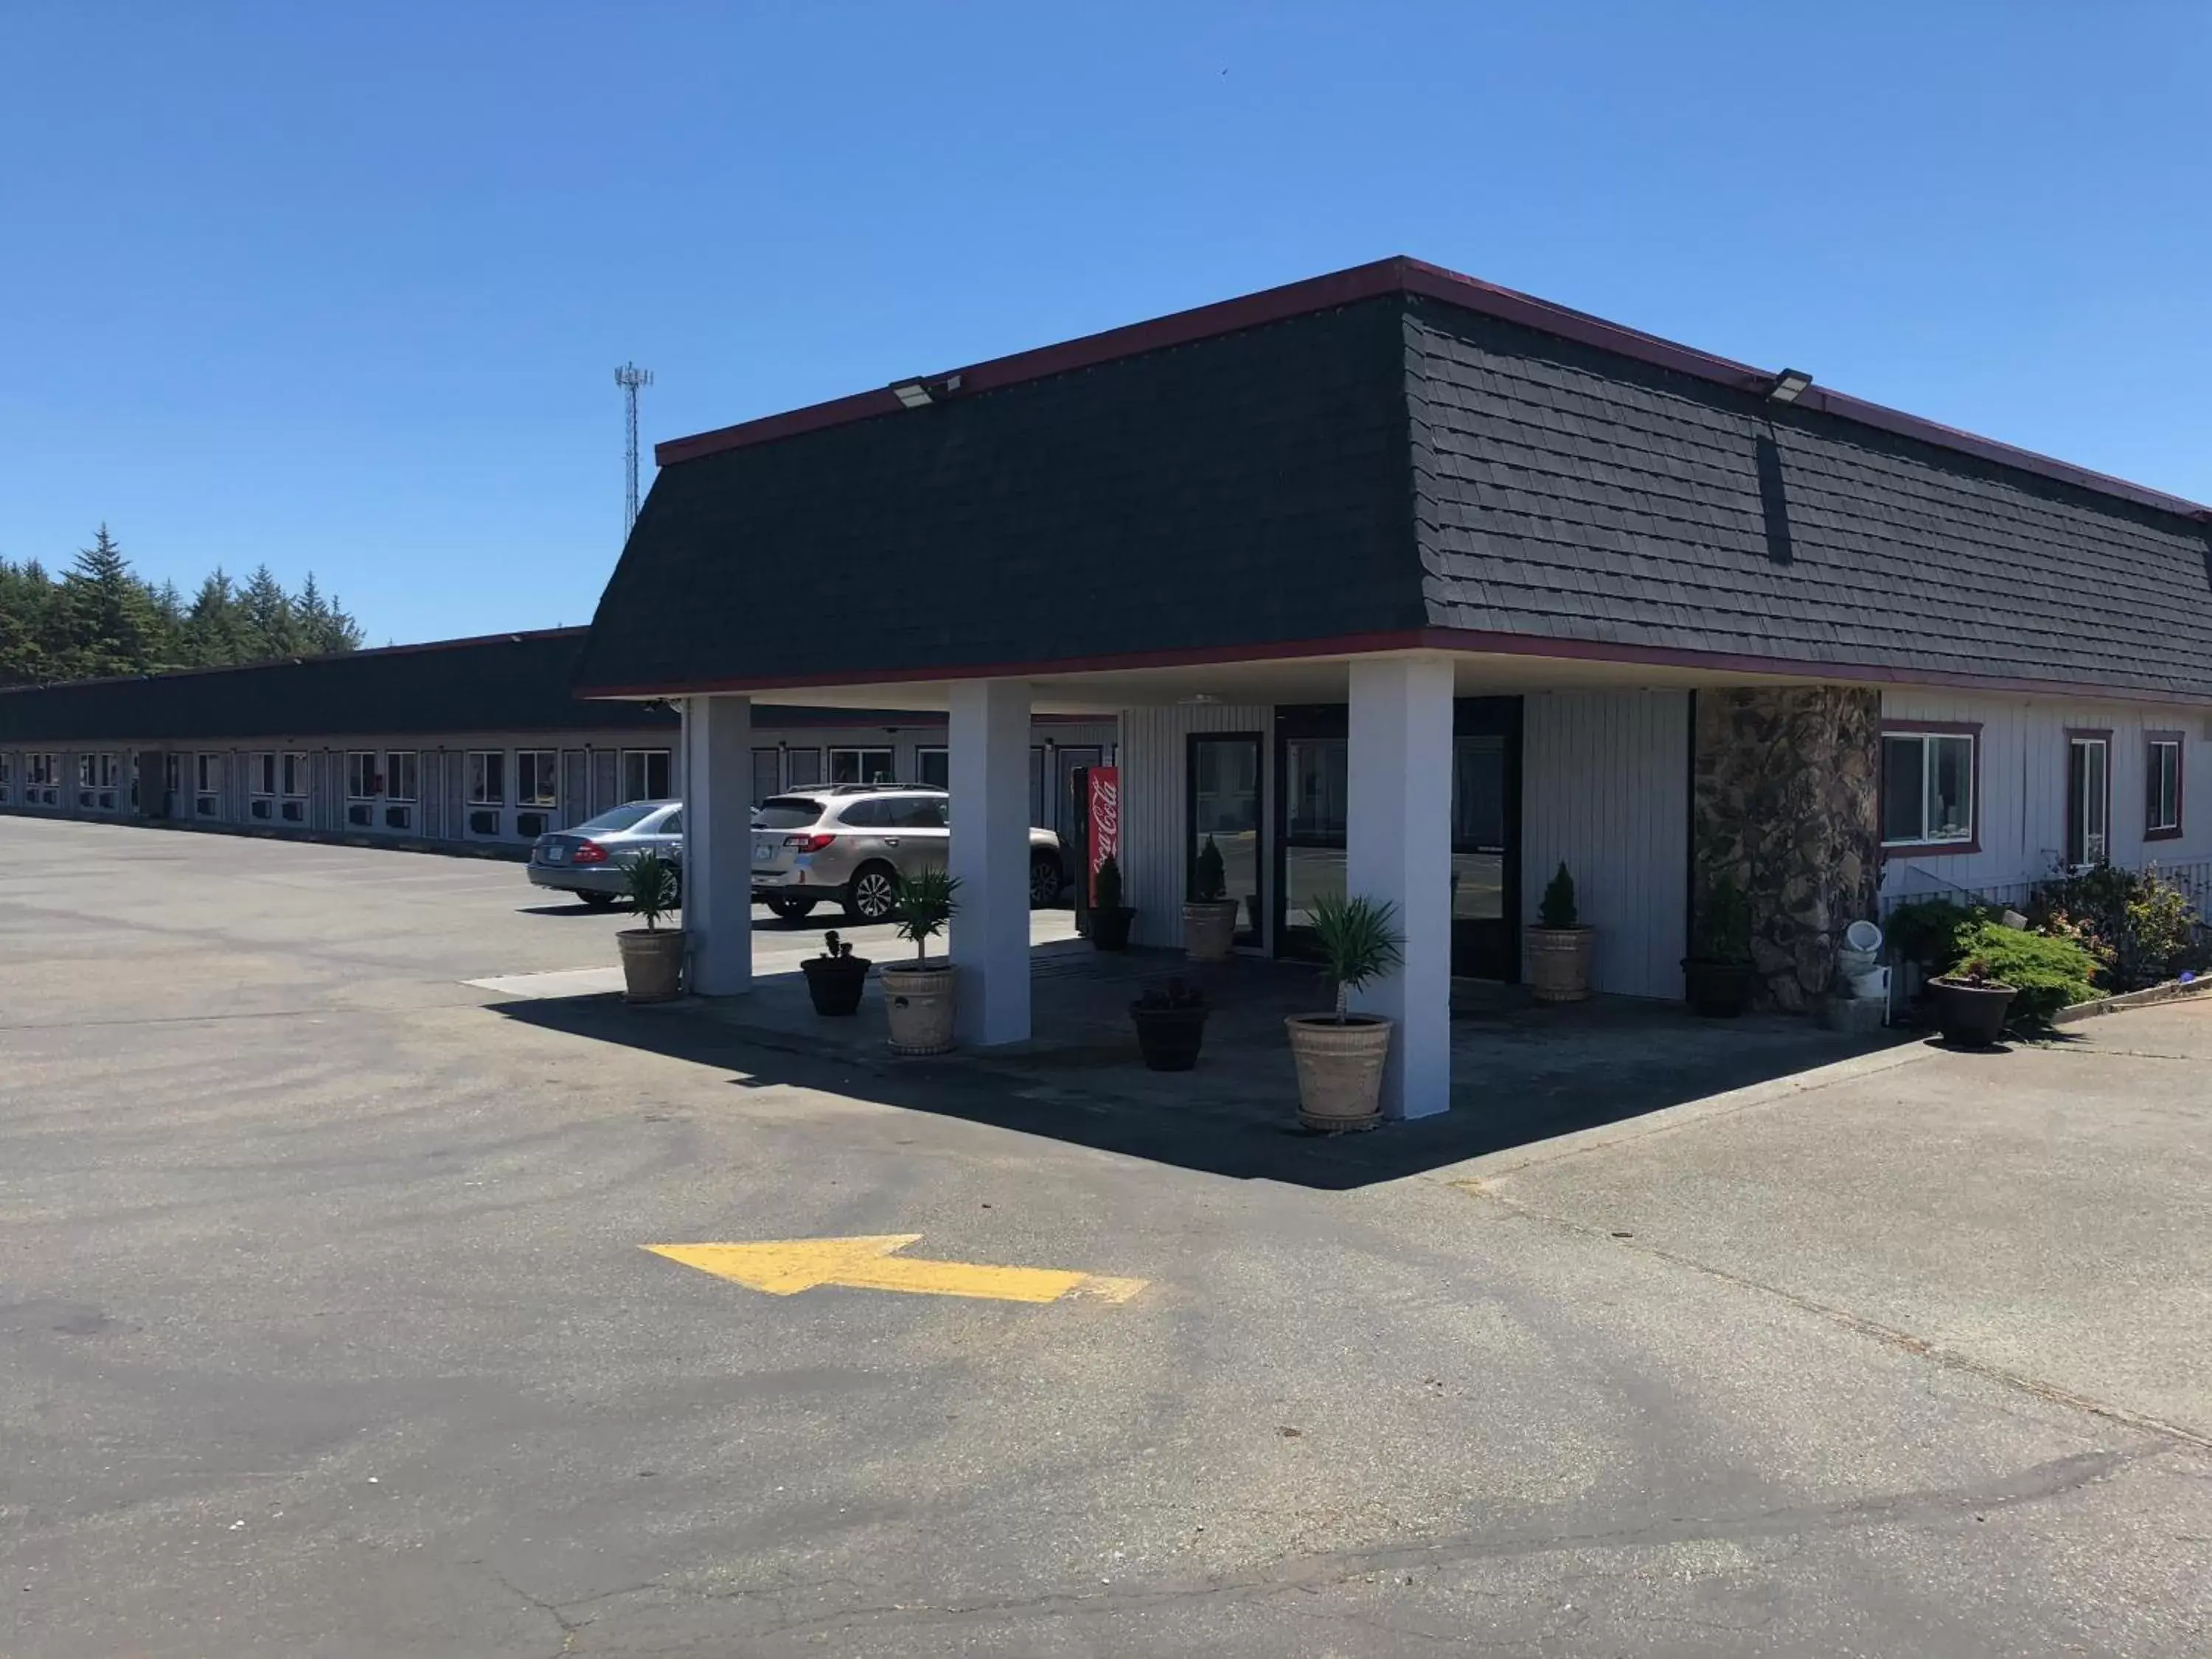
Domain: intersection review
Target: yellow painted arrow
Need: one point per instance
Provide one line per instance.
(787, 1266)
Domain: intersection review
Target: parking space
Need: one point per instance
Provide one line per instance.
(330, 1322)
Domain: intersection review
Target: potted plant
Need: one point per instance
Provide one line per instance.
(652, 956)
(1717, 974)
(1171, 1026)
(918, 998)
(1971, 1003)
(1110, 917)
(1340, 1055)
(1560, 944)
(834, 979)
(1209, 918)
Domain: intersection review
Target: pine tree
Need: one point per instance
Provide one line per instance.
(323, 626)
(109, 625)
(212, 635)
(266, 618)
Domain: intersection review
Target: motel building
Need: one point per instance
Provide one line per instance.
(1400, 584)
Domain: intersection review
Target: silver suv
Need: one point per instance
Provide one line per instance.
(850, 843)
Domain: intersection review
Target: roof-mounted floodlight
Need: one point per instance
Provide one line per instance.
(919, 394)
(1789, 385)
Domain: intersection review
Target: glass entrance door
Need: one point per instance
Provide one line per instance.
(1223, 807)
(1485, 891)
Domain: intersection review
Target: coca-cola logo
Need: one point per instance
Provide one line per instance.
(1106, 813)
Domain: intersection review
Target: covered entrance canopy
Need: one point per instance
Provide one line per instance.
(1395, 494)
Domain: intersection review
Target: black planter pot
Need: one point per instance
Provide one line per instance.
(1971, 1016)
(835, 986)
(1109, 929)
(1717, 989)
(1169, 1037)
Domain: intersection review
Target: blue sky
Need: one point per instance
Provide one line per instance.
(342, 287)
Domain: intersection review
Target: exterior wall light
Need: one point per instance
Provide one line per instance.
(1788, 386)
(919, 394)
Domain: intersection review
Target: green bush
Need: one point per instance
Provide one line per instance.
(1926, 931)
(2048, 972)
(1108, 884)
(1722, 931)
(1208, 880)
(2141, 928)
(1556, 907)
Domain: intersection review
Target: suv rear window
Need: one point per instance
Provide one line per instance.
(787, 812)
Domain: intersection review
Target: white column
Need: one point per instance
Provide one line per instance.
(1398, 847)
(990, 853)
(718, 867)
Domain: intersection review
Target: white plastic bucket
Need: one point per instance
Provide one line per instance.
(1873, 983)
(1863, 936)
(1851, 964)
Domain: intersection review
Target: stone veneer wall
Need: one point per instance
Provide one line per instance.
(1785, 800)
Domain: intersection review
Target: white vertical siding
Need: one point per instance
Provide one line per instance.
(2021, 815)
(1155, 778)
(1605, 786)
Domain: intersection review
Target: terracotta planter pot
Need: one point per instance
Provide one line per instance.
(1717, 989)
(1109, 929)
(835, 986)
(1169, 1037)
(1559, 963)
(1209, 929)
(1340, 1070)
(1971, 1016)
(652, 964)
(918, 1005)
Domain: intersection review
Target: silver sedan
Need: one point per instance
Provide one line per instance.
(593, 860)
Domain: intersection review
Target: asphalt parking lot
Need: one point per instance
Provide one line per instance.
(327, 1326)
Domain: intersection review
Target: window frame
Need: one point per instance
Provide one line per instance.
(482, 768)
(645, 775)
(544, 767)
(261, 767)
(2153, 742)
(861, 751)
(773, 757)
(394, 761)
(923, 751)
(2082, 735)
(1971, 842)
(201, 758)
(361, 769)
(292, 769)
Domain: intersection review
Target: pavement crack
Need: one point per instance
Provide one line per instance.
(1889, 1335)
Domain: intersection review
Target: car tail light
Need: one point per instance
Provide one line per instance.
(813, 843)
(589, 853)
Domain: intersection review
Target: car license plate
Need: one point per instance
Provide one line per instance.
(764, 852)
(557, 855)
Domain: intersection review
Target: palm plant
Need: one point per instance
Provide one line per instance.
(653, 887)
(1359, 942)
(924, 902)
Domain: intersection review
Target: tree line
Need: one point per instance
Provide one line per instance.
(100, 618)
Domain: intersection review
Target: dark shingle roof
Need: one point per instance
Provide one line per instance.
(1563, 493)
(1434, 456)
(1151, 503)
(507, 682)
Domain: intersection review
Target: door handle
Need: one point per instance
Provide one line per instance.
(890, 841)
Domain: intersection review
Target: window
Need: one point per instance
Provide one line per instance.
(361, 782)
(2088, 798)
(41, 775)
(859, 766)
(645, 775)
(933, 767)
(208, 773)
(487, 778)
(866, 815)
(1928, 787)
(768, 774)
(84, 771)
(536, 777)
(2163, 785)
(399, 774)
(7, 775)
(802, 767)
(294, 776)
(262, 770)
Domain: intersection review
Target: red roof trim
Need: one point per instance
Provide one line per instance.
(1427, 639)
(1402, 274)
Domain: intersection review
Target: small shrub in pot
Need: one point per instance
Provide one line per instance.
(2008, 976)
(1560, 944)
(835, 979)
(1110, 917)
(918, 998)
(1171, 1022)
(652, 956)
(1209, 918)
(1717, 974)
(1340, 1055)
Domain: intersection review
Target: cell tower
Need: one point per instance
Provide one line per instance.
(629, 377)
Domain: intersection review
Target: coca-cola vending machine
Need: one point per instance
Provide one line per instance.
(1097, 815)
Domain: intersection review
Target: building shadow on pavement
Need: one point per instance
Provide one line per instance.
(1523, 1073)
